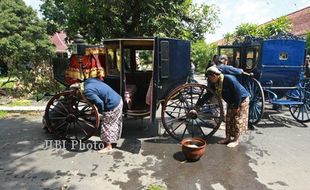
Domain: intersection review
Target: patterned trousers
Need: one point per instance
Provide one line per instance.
(237, 123)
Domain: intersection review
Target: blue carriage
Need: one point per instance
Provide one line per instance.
(278, 67)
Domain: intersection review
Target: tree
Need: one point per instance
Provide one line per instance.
(275, 27)
(130, 18)
(280, 25)
(202, 53)
(24, 43)
(246, 29)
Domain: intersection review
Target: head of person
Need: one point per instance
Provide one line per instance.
(213, 74)
(223, 59)
(308, 57)
(76, 88)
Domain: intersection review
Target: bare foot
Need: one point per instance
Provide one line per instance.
(224, 141)
(106, 149)
(233, 144)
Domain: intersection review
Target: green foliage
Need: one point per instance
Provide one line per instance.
(130, 18)
(20, 103)
(246, 29)
(201, 54)
(24, 44)
(3, 114)
(156, 187)
(280, 25)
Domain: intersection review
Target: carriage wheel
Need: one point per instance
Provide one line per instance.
(257, 99)
(70, 118)
(182, 117)
(300, 112)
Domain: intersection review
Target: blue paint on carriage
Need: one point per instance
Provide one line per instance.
(179, 57)
(282, 62)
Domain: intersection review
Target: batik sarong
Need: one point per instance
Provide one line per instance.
(112, 123)
(237, 123)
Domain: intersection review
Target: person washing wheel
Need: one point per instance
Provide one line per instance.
(237, 98)
(109, 103)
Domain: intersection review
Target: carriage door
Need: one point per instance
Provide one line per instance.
(171, 66)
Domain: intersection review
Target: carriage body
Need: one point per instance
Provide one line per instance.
(142, 70)
(148, 73)
(278, 67)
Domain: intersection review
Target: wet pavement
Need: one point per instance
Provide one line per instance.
(273, 156)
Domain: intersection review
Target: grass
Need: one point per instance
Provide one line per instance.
(156, 187)
(3, 114)
(20, 103)
(7, 85)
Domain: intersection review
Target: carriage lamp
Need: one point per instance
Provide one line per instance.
(78, 46)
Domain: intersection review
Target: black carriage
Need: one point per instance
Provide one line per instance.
(278, 67)
(148, 73)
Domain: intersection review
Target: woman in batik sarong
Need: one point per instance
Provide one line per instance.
(237, 98)
(109, 103)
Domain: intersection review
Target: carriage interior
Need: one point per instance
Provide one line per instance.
(129, 68)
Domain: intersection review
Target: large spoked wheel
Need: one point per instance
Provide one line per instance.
(257, 99)
(300, 112)
(70, 118)
(182, 117)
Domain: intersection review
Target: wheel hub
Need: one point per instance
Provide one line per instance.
(71, 118)
(192, 114)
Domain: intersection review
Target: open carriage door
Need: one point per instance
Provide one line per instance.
(171, 66)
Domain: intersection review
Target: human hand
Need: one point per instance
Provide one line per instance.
(248, 74)
(75, 86)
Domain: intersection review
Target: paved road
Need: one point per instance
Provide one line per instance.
(273, 156)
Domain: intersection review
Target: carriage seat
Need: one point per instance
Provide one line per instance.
(129, 94)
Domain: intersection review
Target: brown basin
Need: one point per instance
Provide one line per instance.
(193, 148)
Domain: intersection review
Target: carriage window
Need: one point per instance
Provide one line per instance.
(251, 58)
(283, 56)
(113, 67)
(144, 60)
(230, 53)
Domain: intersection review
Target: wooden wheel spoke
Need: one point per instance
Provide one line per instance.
(55, 108)
(63, 106)
(177, 119)
(86, 122)
(57, 118)
(62, 124)
(81, 127)
(178, 126)
(201, 129)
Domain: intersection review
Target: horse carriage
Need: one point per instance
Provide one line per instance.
(149, 73)
(278, 67)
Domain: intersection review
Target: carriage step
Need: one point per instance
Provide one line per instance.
(286, 102)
